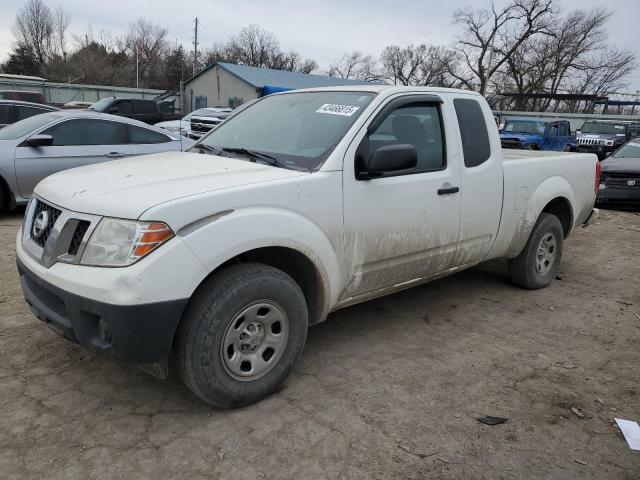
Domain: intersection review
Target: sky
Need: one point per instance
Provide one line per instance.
(320, 29)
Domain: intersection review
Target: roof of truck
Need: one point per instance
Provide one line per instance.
(388, 89)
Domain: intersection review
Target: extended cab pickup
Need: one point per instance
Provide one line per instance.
(303, 203)
(147, 111)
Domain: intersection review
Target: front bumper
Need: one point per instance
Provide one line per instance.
(619, 197)
(140, 333)
(600, 150)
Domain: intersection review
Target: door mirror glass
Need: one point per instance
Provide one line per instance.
(40, 141)
(392, 158)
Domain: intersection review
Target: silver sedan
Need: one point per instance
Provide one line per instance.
(39, 146)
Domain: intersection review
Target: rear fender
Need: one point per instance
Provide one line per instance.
(551, 188)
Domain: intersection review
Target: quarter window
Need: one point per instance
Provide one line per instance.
(144, 135)
(26, 112)
(5, 113)
(416, 124)
(473, 130)
(87, 132)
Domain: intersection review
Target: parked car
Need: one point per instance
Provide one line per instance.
(620, 179)
(12, 111)
(77, 104)
(38, 146)
(147, 111)
(603, 137)
(202, 123)
(183, 125)
(300, 204)
(23, 96)
(537, 134)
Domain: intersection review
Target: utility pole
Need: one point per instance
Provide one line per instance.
(195, 47)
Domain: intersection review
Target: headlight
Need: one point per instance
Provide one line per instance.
(118, 243)
(609, 143)
(174, 129)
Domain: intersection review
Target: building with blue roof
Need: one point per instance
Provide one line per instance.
(229, 85)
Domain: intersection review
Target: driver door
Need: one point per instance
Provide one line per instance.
(76, 142)
(404, 225)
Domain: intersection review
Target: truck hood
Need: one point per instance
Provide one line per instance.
(603, 136)
(126, 188)
(626, 165)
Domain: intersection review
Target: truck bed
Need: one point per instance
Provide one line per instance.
(526, 174)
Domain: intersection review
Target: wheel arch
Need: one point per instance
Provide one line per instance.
(554, 196)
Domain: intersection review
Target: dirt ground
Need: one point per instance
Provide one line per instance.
(387, 390)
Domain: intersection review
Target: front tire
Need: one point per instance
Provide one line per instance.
(538, 263)
(241, 335)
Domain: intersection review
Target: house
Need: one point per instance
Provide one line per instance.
(229, 85)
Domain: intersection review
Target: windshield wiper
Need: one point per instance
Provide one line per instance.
(273, 161)
(207, 148)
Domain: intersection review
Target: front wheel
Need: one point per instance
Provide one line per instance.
(538, 263)
(241, 335)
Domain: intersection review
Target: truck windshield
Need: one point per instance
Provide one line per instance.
(298, 130)
(524, 127)
(630, 150)
(606, 128)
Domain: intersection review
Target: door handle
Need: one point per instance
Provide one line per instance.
(115, 155)
(448, 190)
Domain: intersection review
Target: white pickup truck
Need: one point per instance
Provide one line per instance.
(303, 203)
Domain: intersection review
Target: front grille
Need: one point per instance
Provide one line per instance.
(508, 143)
(78, 235)
(621, 180)
(590, 141)
(51, 217)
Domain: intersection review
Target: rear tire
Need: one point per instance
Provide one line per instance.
(3, 198)
(567, 148)
(241, 335)
(538, 263)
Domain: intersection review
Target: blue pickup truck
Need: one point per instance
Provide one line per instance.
(537, 134)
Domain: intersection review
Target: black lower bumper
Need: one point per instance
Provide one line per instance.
(619, 197)
(131, 333)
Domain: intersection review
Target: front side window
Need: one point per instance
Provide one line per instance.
(416, 124)
(299, 130)
(143, 106)
(124, 108)
(87, 132)
(473, 130)
(144, 135)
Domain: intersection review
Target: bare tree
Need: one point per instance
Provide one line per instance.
(61, 21)
(34, 29)
(420, 66)
(354, 65)
(491, 35)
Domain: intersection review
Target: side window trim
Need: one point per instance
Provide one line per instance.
(386, 110)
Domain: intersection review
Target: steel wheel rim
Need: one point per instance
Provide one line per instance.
(546, 254)
(255, 340)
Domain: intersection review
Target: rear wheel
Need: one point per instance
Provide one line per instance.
(3, 198)
(241, 335)
(567, 148)
(538, 263)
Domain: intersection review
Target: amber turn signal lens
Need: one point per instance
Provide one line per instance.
(152, 237)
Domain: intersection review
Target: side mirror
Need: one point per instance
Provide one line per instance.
(39, 141)
(112, 110)
(391, 158)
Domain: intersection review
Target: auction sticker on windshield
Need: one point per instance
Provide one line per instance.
(345, 110)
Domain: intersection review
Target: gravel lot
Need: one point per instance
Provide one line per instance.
(389, 389)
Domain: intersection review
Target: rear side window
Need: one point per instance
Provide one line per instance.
(142, 106)
(5, 113)
(473, 130)
(26, 112)
(87, 132)
(30, 97)
(145, 135)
